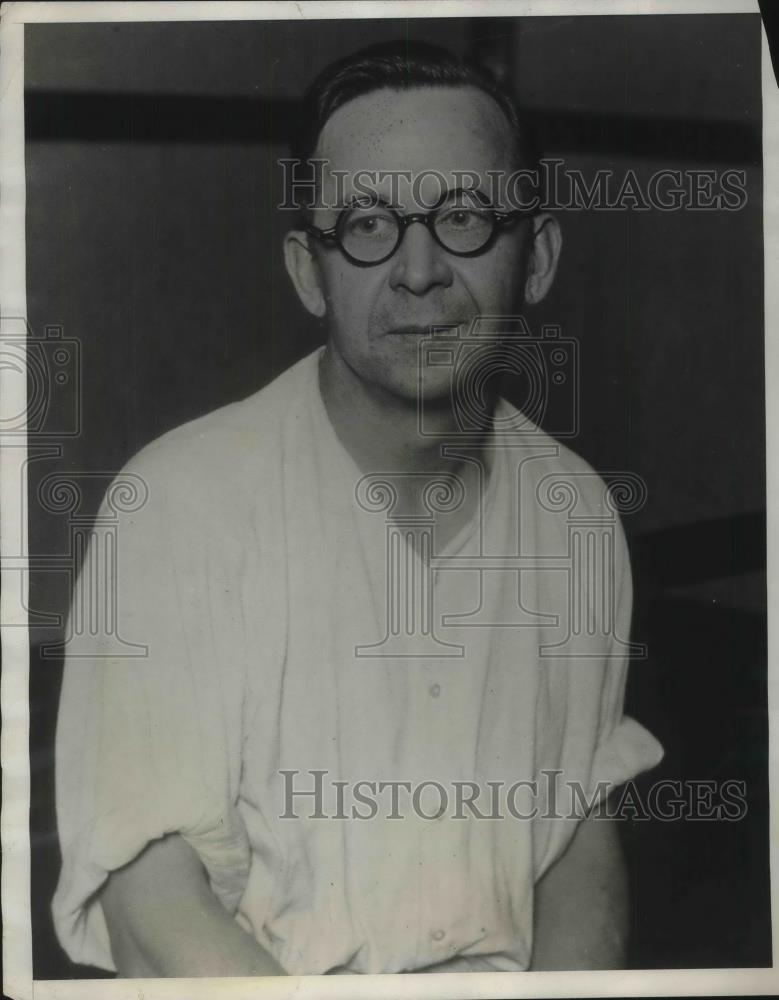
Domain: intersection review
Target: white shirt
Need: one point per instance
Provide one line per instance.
(257, 576)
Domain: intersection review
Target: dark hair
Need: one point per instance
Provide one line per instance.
(402, 65)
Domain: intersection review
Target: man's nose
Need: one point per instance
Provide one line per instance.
(419, 263)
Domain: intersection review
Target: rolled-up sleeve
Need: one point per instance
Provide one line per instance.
(624, 748)
(148, 737)
(596, 746)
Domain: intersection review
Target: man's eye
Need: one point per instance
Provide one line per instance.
(369, 225)
(366, 225)
(461, 218)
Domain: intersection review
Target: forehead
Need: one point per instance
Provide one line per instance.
(424, 128)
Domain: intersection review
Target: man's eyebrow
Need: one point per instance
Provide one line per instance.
(372, 199)
(473, 193)
(364, 198)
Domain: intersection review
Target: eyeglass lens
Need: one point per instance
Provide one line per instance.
(371, 233)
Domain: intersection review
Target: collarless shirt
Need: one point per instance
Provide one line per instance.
(323, 687)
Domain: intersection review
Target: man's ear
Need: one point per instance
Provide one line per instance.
(304, 272)
(543, 258)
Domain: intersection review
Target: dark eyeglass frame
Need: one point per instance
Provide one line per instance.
(333, 236)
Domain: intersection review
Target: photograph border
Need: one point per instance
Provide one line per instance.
(17, 943)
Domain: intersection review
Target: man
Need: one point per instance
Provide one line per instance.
(323, 577)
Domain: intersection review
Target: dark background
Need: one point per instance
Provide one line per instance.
(153, 240)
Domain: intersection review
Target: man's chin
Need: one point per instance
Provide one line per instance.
(431, 388)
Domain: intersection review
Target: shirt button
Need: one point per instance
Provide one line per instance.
(435, 690)
(438, 935)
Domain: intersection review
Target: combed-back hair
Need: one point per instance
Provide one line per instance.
(402, 65)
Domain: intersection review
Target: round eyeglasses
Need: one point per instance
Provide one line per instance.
(370, 234)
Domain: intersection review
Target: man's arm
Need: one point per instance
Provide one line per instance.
(164, 920)
(581, 904)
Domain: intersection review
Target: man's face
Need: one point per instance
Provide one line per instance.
(377, 314)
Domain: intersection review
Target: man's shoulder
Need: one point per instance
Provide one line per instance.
(232, 446)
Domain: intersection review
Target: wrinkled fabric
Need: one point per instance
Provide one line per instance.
(257, 576)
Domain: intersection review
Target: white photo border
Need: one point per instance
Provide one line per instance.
(17, 942)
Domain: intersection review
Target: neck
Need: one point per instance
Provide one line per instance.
(380, 430)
